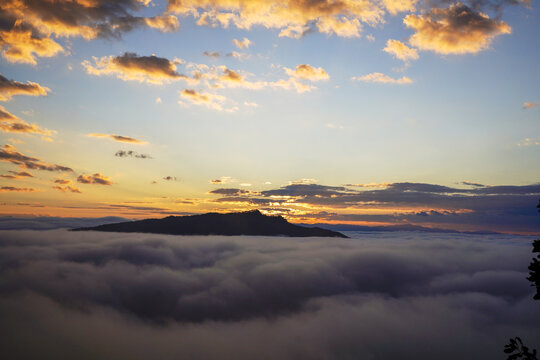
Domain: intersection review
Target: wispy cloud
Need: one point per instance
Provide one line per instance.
(529, 142)
(16, 175)
(15, 189)
(531, 105)
(377, 77)
(119, 138)
(211, 101)
(12, 124)
(67, 188)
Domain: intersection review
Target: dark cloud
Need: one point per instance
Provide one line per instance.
(382, 296)
(131, 153)
(230, 192)
(97, 179)
(130, 66)
(9, 153)
(488, 208)
(469, 183)
(15, 189)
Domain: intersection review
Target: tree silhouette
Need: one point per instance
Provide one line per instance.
(515, 348)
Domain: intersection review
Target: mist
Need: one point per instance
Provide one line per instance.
(403, 295)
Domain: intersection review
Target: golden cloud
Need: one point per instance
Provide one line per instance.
(97, 179)
(119, 138)
(28, 26)
(21, 46)
(293, 17)
(377, 77)
(130, 66)
(13, 124)
(308, 72)
(242, 44)
(457, 29)
(9, 88)
(211, 101)
(400, 51)
(396, 6)
(16, 175)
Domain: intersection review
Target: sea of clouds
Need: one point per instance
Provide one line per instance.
(399, 295)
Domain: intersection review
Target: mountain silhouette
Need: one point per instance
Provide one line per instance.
(241, 223)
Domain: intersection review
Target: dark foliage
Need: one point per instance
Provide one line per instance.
(517, 350)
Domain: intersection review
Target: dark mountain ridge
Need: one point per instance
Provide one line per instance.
(241, 223)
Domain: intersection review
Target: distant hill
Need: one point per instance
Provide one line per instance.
(241, 223)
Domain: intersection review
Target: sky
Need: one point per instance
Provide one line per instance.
(361, 112)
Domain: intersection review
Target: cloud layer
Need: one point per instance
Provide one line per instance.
(129, 296)
(485, 208)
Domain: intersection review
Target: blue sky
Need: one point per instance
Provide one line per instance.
(460, 116)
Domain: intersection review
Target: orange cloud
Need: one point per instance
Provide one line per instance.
(293, 17)
(16, 175)
(21, 46)
(119, 138)
(130, 66)
(377, 77)
(531, 105)
(396, 6)
(9, 88)
(308, 72)
(13, 124)
(457, 29)
(97, 179)
(400, 51)
(67, 189)
(9, 153)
